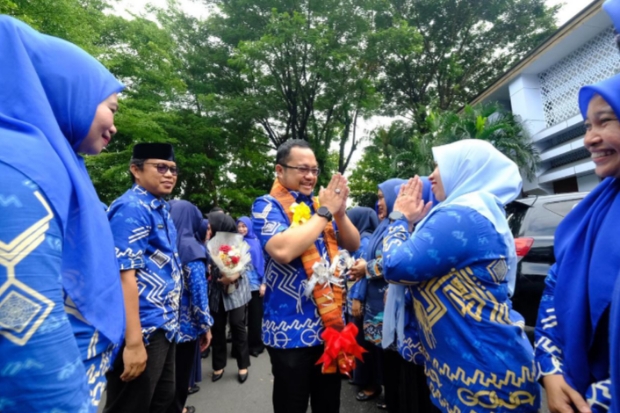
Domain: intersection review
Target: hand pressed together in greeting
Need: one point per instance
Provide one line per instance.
(410, 202)
(335, 195)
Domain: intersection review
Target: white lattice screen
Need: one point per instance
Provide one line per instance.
(596, 60)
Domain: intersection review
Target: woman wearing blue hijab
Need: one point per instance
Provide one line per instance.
(194, 316)
(460, 261)
(58, 271)
(573, 347)
(255, 273)
(366, 221)
(371, 269)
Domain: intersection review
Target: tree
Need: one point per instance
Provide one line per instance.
(442, 53)
(303, 70)
(403, 151)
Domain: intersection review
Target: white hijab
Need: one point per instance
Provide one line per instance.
(478, 176)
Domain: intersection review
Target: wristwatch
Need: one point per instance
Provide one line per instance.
(323, 212)
(396, 216)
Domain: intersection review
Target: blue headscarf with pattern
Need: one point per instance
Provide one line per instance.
(587, 251)
(49, 93)
(394, 319)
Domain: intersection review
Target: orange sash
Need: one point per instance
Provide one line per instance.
(328, 298)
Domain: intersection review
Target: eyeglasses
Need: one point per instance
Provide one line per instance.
(163, 168)
(304, 169)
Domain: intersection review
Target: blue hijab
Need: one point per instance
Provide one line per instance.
(256, 251)
(202, 231)
(394, 326)
(587, 251)
(364, 219)
(612, 7)
(187, 220)
(389, 195)
(49, 93)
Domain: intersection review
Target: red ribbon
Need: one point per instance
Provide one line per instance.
(341, 346)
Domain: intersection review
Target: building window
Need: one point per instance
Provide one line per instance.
(566, 185)
(591, 63)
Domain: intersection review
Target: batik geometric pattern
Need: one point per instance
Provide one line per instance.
(145, 240)
(290, 319)
(475, 360)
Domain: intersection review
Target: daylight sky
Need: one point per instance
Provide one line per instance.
(197, 8)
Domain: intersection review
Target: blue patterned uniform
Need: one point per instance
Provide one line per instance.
(358, 289)
(548, 348)
(476, 358)
(96, 351)
(290, 319)
(41, 368)
(374, 305)
(195, 317)
(145, 240)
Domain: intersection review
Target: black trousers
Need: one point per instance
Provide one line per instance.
(391, 379)
(152, 391)
(236, 318)
(297, 378)
(414, 393)
(185, 356)
(255, 323)
(365, 375)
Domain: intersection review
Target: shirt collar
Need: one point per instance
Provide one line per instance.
(299, 197)
(149, 198)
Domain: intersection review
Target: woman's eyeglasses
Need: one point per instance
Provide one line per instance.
(304, 169)
(163, 168)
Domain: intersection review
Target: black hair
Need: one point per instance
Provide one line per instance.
(216, 209)
(139, 164)
(284, 150)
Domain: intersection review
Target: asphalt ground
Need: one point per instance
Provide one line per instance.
(227, 395)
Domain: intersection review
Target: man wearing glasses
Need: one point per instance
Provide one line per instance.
(142, 378)
(292, 322)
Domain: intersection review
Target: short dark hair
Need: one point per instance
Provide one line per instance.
(139, 164)
(284, 150)
(216, 209)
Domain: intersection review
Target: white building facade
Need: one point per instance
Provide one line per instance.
(543, 90)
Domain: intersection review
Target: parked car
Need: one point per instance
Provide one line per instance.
(533, 221)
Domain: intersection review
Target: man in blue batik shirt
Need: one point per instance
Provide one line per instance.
(292, 326)
(142, 379)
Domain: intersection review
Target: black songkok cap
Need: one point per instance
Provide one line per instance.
(153, 151)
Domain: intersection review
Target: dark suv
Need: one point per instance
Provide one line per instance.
(533, 222)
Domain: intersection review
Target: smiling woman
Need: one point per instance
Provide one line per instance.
(573, 329)
(61, 308)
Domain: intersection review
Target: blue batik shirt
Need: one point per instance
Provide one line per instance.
(195, 318)
(290, 319)
(476, 357)
(549, 356)
(145, 241)
(358, 289)
(41, 369)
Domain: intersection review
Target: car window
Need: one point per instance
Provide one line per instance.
(541, 221)
(562, 208)
(515, 213)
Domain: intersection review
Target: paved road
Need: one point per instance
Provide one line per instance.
(254, 396)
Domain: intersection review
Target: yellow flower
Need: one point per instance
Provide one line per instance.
(301, 214)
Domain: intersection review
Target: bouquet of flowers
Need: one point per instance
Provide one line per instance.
(230, 253)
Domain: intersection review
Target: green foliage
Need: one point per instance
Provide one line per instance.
(227, 90)
(402, 151)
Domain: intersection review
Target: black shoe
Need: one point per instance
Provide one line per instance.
(256, 353)
(243, 377)
(363, 397)
(216, 377)
(381, 404)
(194, 389)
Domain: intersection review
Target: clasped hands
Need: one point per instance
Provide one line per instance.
(334, 196)
(410, 203)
